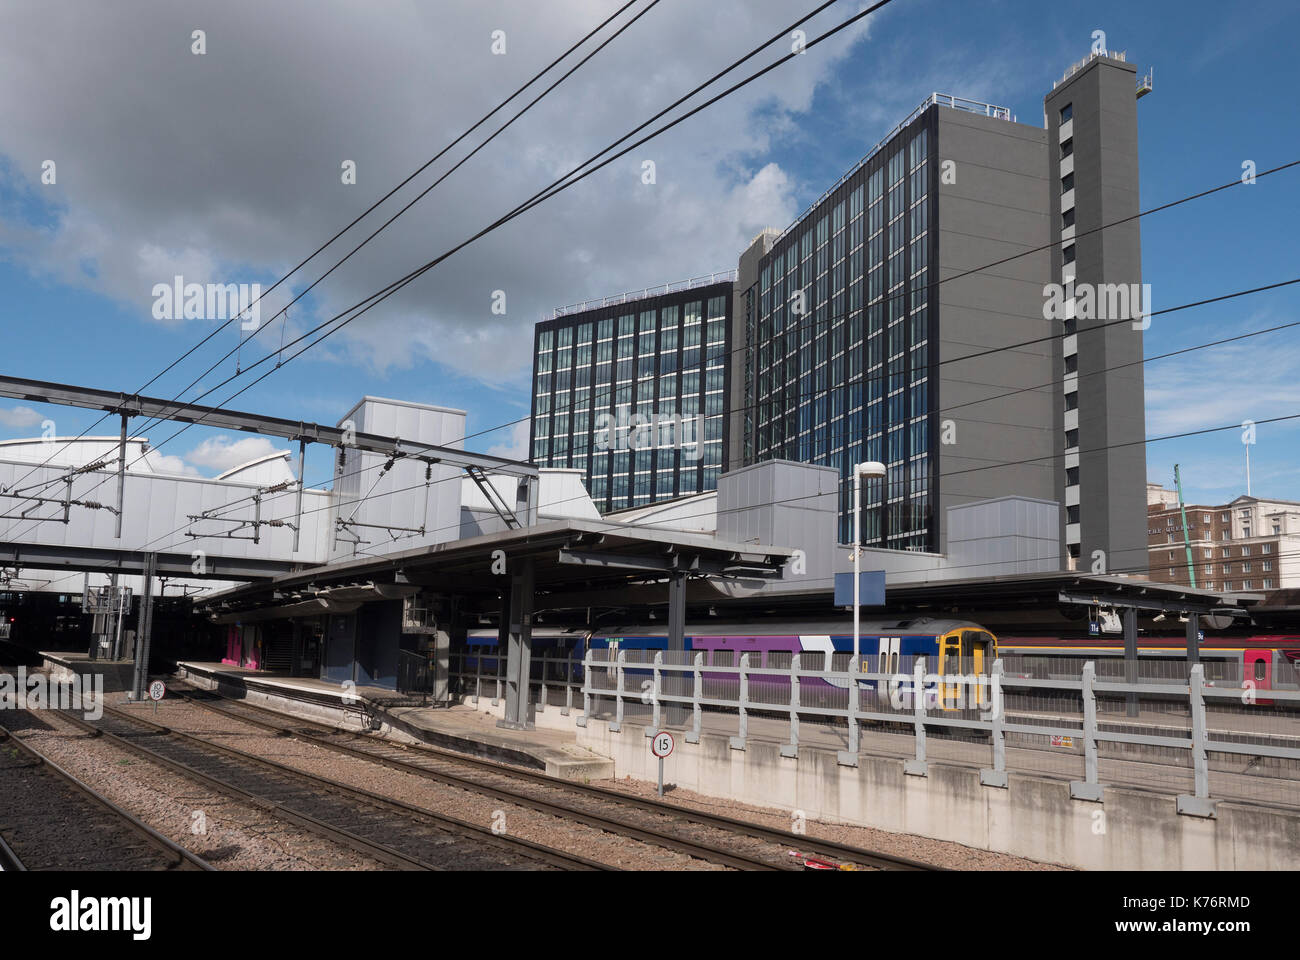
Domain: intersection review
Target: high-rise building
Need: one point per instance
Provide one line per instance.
(950, 307)
(873, 328)
(632, 391)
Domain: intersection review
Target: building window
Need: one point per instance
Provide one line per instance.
(1067, 183)
(1067, 219)
(1067, 147)
(1067, 253)
(1067, 112)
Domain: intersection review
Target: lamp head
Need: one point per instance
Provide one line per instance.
(870, 468)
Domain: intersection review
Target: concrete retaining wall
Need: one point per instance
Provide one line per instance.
(1032, 817)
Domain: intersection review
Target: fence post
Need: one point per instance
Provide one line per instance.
(696, 695)
(996, 777)
(1199, 805)
(586, 688)
(617, 725)
(918, 767)
(791, 749)
(738, 742)
(1088, 788)
(501, 664)
(568, 683)
(541, 701)
(655, 690)
(849, 757)
(478, 676)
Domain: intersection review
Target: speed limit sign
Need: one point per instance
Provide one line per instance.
(661, 745)
(157, 690)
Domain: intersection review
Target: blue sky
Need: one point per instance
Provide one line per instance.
(1224, 89)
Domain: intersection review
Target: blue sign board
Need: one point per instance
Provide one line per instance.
(871, 589)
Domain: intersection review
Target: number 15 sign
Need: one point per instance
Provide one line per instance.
(661, 745)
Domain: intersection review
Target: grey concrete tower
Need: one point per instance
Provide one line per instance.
(1091, 120)
(740, 396)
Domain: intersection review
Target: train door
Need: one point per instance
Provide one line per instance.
(950, 660)
(1258, 666)
(887, 662)
(976, 651)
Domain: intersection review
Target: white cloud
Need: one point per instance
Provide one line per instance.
(170, 174)
(167, 463)
(516, 448)
(18, 417)
(1249, 380)
(220, 453)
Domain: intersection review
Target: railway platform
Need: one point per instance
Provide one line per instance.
(117, 674)
(378, 709)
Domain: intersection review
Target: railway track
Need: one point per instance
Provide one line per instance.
(50, 820)
(401, 835)
(724, 840)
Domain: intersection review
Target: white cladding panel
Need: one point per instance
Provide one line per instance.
(395, 504)
(156, 511)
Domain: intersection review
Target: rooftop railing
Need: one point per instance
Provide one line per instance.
(725, 276)
(943, 100)
(1120, 55)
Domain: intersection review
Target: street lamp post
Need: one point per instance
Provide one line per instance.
(871, 468)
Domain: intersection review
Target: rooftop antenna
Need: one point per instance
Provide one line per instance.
(1187, 543)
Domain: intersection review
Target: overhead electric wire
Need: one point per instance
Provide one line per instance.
(948, 409)
(365, 213)
(941, 475)
(556, 187)
(802, 325)
(818, 39)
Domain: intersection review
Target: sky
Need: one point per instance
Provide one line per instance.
(227, 166)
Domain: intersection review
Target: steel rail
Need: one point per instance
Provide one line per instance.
(185, 860)
(379, 850)
(771, 834)
(702, 851)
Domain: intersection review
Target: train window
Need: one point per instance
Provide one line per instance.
(724, 658)
(1259, 669)
(779, 659)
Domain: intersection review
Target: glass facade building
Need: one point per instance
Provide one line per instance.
(838, 365)
(632, 393)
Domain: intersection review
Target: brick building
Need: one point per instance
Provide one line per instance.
(1247, 545)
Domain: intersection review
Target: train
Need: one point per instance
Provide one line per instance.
(950, 646)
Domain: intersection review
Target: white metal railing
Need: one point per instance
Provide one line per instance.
(1120, 55)
(654, 692)
(556, 677)
(723, 276)
(944, 100)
